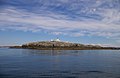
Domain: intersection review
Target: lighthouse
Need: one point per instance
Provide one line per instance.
(58, 40)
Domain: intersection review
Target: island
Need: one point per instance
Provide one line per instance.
(62, 45)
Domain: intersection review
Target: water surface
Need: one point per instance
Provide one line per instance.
(25, 63)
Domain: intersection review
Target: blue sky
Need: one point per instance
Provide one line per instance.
(80, 21)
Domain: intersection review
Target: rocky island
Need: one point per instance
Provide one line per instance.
(60, 45)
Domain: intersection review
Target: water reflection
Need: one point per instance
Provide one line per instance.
(55, 52)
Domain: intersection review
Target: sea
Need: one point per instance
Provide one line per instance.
(29, 63)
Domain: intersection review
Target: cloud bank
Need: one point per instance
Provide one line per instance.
(63, 17)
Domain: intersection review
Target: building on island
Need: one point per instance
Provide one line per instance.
(58, 40)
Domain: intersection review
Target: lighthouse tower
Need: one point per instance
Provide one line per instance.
(58, 40)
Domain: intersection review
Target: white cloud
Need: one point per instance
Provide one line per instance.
(57, 33)
(12, 18)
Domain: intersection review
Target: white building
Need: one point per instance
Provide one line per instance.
(56, 39)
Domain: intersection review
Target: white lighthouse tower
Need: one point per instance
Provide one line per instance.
(58, 40)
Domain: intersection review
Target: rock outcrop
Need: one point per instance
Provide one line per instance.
(57, 45)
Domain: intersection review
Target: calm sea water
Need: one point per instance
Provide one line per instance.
(24, 63)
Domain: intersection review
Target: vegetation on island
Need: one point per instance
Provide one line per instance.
(58, 45)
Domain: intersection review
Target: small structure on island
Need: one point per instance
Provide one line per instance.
(58, 40)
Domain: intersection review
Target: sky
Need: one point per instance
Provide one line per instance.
(79, 21)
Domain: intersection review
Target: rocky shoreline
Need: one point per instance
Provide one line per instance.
(56, 45)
